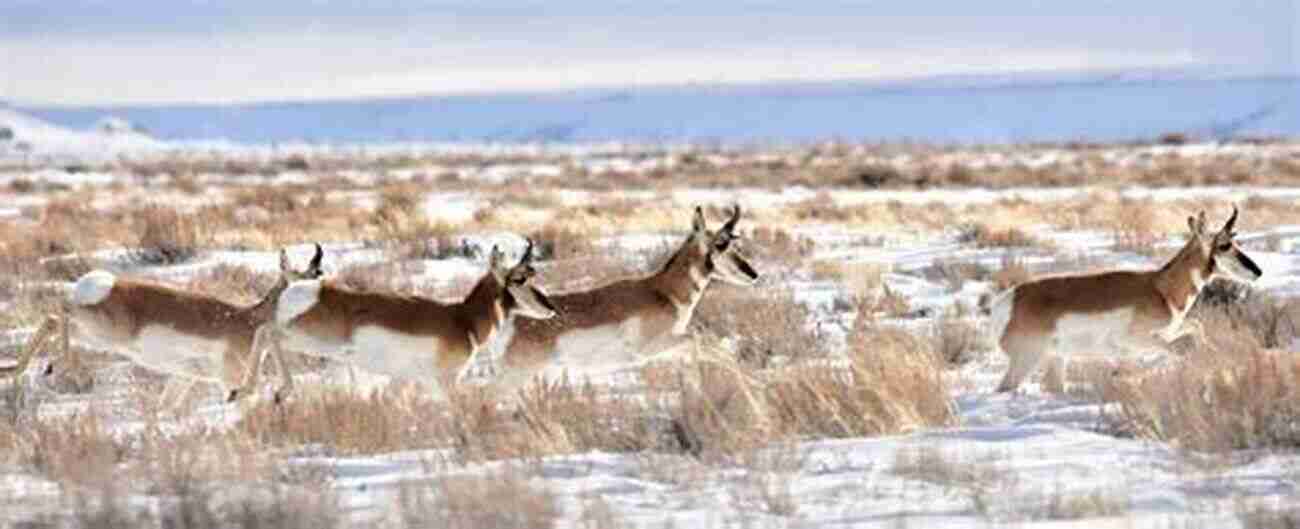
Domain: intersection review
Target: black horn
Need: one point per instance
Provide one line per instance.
(1232, 221)
(731, 223)
(528, 251)
(315, 259)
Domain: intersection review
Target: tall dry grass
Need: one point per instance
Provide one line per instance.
(1233, 392)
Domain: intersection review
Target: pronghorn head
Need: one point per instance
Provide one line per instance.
(1224, 257)
(716, 250)
(313, 270)
(517, 294)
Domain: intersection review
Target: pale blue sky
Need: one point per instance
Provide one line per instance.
(104, 52)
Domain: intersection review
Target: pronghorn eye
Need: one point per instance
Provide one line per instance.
(1225, 247)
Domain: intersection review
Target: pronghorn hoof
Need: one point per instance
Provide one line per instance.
(232, 396)
(49, 369)
(278, 397)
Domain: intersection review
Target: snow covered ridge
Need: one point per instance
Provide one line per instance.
(28, 139)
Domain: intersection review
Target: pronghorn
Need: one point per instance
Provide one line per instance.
(618, 324)
(1061, 315)
(409, 338)
(169, 330)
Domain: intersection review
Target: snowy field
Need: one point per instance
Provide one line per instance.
(1027, 459)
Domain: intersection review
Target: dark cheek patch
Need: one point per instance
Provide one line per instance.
(745, 268)
(1249, 264)
(542, 299)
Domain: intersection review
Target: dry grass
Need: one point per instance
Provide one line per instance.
(348, 423)
(1231, 393)
(858, 279)
(1013, 272)
(984, 236)
(504, 501)
(167, 236)
(957, 340)
(764, 325)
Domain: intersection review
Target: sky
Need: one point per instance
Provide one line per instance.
(107, 52)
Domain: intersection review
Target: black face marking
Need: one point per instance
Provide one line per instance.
(542, 299)
(1249, 264)
(745, 268)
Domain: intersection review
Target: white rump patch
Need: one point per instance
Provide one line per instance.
(1000, 315)
(297, 299)
(93, 288)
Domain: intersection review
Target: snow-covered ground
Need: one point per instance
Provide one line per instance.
(1032, 458)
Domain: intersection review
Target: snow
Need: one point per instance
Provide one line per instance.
(50, 142)
(1022, 453)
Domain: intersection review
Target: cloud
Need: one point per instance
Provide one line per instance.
(99, 52)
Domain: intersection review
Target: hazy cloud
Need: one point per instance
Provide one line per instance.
(80, 52)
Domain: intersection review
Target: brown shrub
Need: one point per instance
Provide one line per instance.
(1012, 273)
(984, 236)
(348, 423)
(955, 339)
(167, 236)
(1270, 321)
(763, 325)
(1226, 395)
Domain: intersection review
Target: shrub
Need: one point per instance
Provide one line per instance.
(167, 236)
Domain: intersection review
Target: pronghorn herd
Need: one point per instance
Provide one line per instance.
(522, 330)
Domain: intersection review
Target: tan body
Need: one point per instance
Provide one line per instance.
(620, 323)
(172, 331)
(1057, 317)
(406, 337)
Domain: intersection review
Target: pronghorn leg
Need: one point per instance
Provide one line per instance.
(34, 345)
(1054, 379)
(251, 376)
(1025, 353)
(286, 378)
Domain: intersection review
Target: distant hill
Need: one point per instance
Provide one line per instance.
(26, 137)
(1113, 105)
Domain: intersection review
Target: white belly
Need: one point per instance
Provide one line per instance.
(1091, 333)
(375, 349)
(598, 349)
(162, 349)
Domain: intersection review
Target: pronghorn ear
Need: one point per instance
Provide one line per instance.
(698, 223)
(495, 262)
(284, 262)
(1197, 224)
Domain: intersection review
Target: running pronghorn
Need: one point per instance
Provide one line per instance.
(168, 330)
(1058, 316)
(405, 337)
(618, 324)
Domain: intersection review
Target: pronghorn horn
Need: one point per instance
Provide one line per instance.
(1232, 221)
(528, 252)
(315, 259)
(731, 223)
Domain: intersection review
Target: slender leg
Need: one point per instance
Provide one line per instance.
(252, 376)
(1054, 381)
(286, 378)
(1026, 353)
(34, 345)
